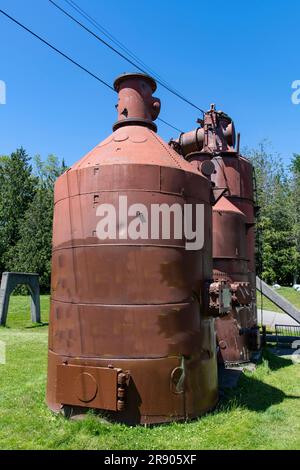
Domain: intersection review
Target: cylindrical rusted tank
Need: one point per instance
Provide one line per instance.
(231, 264)
(235, 173)
(233, 228)
(130, 331)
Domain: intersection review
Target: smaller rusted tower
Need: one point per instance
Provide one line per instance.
(233, 228)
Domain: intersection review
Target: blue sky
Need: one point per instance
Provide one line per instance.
(241, 55)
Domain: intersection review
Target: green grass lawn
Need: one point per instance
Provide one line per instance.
(288, 292)
(262, 413)
(19, 311)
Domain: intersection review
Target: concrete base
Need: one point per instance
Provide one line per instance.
(9, 282)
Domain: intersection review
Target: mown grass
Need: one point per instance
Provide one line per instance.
(262, 413)
(19, 311)
(287, 292)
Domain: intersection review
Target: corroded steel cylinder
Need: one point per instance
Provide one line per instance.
(233, 228)
(129, 328)
(229, 240)
(231, 264)
(235, 173)
(237, 333)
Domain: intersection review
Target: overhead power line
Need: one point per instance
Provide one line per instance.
(56, 50)
(161, 83)
(74, 62)
(170, 125)
(114, 40)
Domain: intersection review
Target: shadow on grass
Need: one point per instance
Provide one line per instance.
(23, 327)
(259, 396)
(255, 395)
(37, 325)
(276, 362)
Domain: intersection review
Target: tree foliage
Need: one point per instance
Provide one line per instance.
(277, 241)
(26, 213)
(17, 190)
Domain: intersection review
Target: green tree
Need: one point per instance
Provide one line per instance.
(17, 190)
(277, 253)
(49, 170)
(295, 211)
(32, 252)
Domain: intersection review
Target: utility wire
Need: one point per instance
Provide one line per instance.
(106, 33)
(71, 60)
(123, 56)
(56, 50)
(95, 35)
(170, 125)
(113, 39)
